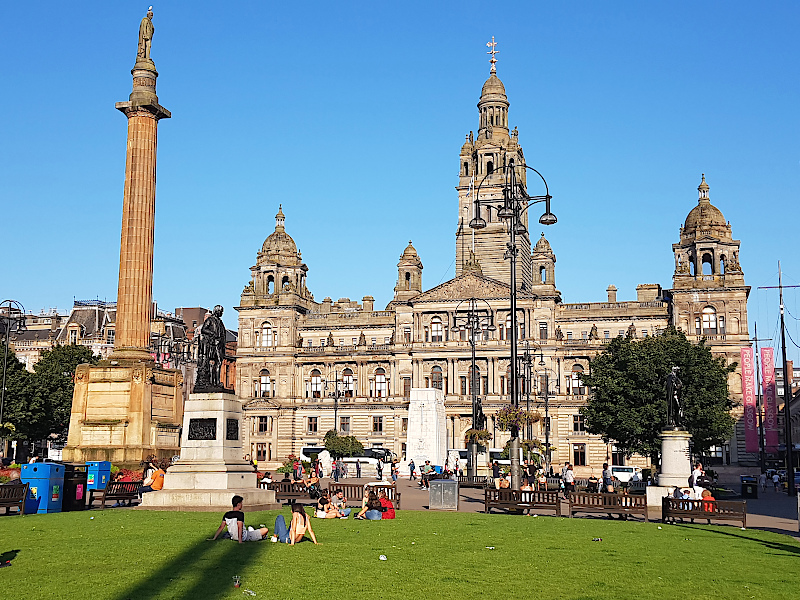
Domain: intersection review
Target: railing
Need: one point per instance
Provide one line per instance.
(346, 349)
(358, 314)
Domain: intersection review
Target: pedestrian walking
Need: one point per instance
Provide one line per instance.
(358, 469)
(411, 467)
(776, 481)
(379, 467)
(762, 482)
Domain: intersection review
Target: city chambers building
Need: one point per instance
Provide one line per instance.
(295, 353)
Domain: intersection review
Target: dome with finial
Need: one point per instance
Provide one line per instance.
(410, 251)
(705, 215)
(542, 245)
(493, 86)
(279, 242)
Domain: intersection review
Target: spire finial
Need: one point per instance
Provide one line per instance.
(703, 189)
(493, 51)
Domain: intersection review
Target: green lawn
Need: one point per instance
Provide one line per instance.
(122, 554)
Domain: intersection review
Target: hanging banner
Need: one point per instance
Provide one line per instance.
(749, 399)
(770, 400)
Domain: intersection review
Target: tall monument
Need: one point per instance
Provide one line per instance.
(126, 408)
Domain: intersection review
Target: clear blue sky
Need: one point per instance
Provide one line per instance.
(352, 116)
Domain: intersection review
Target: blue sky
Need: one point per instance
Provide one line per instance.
(352, 114)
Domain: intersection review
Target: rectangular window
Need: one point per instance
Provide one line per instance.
(110, 336)
(485, 386)
(341, 341)
(621, 333)
(579, 455)
(407, 335)
(404, 426)
(721, 324)
(73, 337)
(407, 387)
(322, 342)
(310, 342)
(463, 385)
(427, 334)
(569, 335)
(606, 334)
(344, 425)
(261, 452)
(264, 424)
(387, 340)
(374, 341)
(644, 333)
(355, 341)
(578, 424)
(584, 335)
(542, 331)
(502, 385)
(313, 424)
(617, 458)
(377, 424)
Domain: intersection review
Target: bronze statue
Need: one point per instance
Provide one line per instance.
(210, 353)
(478, 418)
(146, 30)
(674, 409)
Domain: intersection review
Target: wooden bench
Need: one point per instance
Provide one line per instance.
(391, 492)
(473, 481)
(637, 487)
(612, 504)
(116, 490)
(289, 492)
(719, 510)
(521, 500)
(13, 495)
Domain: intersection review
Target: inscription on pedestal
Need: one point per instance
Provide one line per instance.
(232, 429)
(203, 429)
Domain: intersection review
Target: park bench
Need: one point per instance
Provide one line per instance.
(354, 492)
(13, 495)
(637, 487)
(521, 500)
(719, 510)
(116, 490)
(289, 492)
(611, 504)
(473, 481)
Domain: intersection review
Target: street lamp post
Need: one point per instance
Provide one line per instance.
(512, 209)
(473, 319)
(10, 322)
(335, 396)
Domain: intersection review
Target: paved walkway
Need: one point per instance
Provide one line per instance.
(772, 511)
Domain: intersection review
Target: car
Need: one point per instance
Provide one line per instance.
(625, 474)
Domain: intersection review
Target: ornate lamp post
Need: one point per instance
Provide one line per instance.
(335, 394)
(11, 319)
(474, 319)
(512, 208)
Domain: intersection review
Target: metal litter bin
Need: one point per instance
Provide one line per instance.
(443, 495)
(99, 474)
(749, 486)
(45, 492)
(75, 476)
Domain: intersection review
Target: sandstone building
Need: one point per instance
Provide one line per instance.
(294, 351)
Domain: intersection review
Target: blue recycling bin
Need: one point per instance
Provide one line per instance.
(46, 487)
(98, 474)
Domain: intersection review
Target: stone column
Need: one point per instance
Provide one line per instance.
(135, 292)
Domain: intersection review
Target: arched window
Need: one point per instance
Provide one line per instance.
(543, 274)
(270, 284)
(347, 381)
(709, 321)
(408, 281)
(265, 385)
(708, 264)
(436, 329)
(316, 384)
(490, 167)
(576, 385)
(436, 377)
(380, 383)
(284, 281)
(722, 265)
(267, 335)
(466, 169)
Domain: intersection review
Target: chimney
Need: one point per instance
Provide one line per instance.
(612, 294)
(326, 305)
(369, 303)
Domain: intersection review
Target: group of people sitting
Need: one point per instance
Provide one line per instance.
(374, 507)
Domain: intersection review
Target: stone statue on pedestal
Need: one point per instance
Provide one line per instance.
(210, 353)
(674, 409)
(146, 30)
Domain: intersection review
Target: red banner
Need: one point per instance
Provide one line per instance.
(770, 400)
(749, 398)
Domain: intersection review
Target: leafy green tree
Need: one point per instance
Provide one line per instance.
(628, 400)
(342, 445)
(44, 404)
(17, 397)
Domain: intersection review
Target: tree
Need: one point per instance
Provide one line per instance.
(17, 396)
(628, 400)
(43, 402)
(342, 445)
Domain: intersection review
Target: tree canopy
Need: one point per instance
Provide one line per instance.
(39, 403)
(628, 400)
(342, 445)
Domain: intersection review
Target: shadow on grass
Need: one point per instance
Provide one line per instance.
(789, 549)
(213, 579)
(8, 556)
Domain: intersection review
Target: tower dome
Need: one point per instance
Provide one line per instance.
(493, 86)
(542, 245)
(279, 242)
(705, 216)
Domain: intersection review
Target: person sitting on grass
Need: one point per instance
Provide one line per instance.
(388, 507)
(325, 509)
(340, 504)
(708, 501)
(372, 510)
(297, 528)
(234, 521)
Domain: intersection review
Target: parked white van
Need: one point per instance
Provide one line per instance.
(625, 474)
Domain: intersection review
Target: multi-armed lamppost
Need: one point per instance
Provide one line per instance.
(12, 319)
(512, 208)
(474, 319)
(335, 394)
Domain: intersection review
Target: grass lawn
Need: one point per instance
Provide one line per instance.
(121, 554)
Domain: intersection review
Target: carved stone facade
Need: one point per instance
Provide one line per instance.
(295, 352)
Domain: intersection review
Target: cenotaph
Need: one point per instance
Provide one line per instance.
(426, 438)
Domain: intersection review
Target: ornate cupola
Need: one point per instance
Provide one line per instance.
(409, 275)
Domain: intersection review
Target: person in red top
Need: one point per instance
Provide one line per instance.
(708, 501)
(388, 509)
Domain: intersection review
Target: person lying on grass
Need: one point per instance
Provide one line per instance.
(234, 521)
(297, 529)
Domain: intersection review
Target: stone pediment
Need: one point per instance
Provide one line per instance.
(467, 285)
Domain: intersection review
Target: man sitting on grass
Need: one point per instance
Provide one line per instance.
(234, 521)
(340, 504)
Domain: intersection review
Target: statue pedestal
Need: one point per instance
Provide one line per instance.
(676, 464)
(211, 469)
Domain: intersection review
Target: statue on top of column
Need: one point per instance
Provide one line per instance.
(146, 30)
(211, 353)
(673, 387)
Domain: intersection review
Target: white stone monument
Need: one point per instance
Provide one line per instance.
(676, 465)
(426, 438)
(211, 468)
